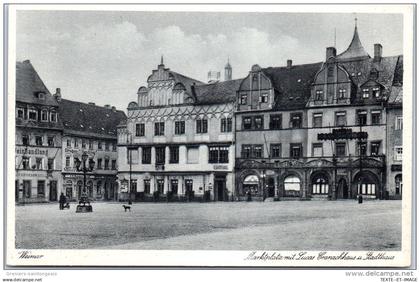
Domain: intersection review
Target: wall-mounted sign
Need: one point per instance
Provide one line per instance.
(220, 167)
(29, 151)
(342, 133)
(31, 174)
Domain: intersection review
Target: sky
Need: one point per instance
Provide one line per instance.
(105, 56)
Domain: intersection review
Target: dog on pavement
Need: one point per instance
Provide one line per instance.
(126, 208)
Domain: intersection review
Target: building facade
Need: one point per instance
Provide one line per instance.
(38, 139)
(92, 130)
(320, 130)
(178, 142)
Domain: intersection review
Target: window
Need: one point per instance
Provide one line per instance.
(146, 157)
(361, 117)
(340, 149)
(376, 92)
(264, 98)
(83, 144)
(340, 119)
(366, 189)
(159, 128)
(41, 95)
(114, 146)
(38, 140)
(76, 143)
(365, 93)
(44, 115)
(247, 123)
(246, 151)
(106, 166)
(20, 113)
(174, 154)
(257, 151)
(38, 163)
(192, 155)
(319, 95)
(317, 120)
(67, 161)
(174, 186)
(317, 150)
(296, 120)
(53, 117)
(275, 150)
(107, 145)
(244, 98)
(341, 93)
(25, 140)
(361, 148)
(146, 184)
(99, 164)
(179, 127)
(226, 125)
(275, 122)
(398, 153)
(99, 145)
(376, 117)
(160, 155)
(114, 164)
(25, 162)
(41, 188)
(218, 154)
(50, 164)
(319, 185)
(132, 156)
(375, 148)
(27, 188)
(398, 123)
(201, 126)
(258, 122)
(296, 150)
(140, 129)
(90, 144)
(32, 114)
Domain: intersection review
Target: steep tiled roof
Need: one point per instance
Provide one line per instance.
(396, 95)
(292, 84)
(28, 84)
(89, 120)
(355, 49)
(218, 92)
(185, 80)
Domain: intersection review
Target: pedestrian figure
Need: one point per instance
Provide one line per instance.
(62, 201)
(360, 198)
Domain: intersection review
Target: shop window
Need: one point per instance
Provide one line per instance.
(320, 185)
(367, 188)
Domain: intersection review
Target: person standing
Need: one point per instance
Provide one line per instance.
(62, 201)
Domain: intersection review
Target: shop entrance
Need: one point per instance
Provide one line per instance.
(220, 187)
(53, 190)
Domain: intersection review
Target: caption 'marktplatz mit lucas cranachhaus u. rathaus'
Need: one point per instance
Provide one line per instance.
(328, 130)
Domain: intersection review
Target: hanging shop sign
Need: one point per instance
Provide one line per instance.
(343, 133)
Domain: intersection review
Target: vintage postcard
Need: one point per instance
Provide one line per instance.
(210, 135)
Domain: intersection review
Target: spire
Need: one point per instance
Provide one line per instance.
(228, 64)
(355, 49)
(228, 71)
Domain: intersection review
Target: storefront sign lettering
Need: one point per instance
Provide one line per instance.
(37, 151)
(220, 167)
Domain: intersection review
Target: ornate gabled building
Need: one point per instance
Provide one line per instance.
(38, 138)
(178, 141)
(318, 130)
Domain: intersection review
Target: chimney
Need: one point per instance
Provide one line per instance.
(107, 106)
(57, 94)
(113, 109)
(289, 63)
(91, 103)
(377, 52)
(331, 52)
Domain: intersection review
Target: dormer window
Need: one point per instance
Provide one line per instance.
(365, 93)
(243, 99)
(376, 92)
(319, 95)
(53, 117)
(41, 95)
(264, 98)
(44, 115)
(341, 93)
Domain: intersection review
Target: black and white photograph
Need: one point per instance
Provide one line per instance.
(220, 136)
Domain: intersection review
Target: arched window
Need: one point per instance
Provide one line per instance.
(366, 184)
(251, 184)
(398, 184)
(292, 186)
(320, 185)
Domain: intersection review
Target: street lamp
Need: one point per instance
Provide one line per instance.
(84, 204)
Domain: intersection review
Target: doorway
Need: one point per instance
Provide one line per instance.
(270, 187)
(53, 190)
(343, 189)
(220, 187)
